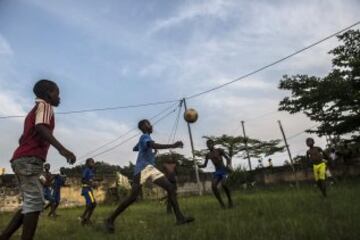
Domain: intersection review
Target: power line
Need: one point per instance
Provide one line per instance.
(101, 109)
(130, 138)
(299, 133)
(273, 63)
(176, 124)
(206, 91)
(125, 134)
(85, 156)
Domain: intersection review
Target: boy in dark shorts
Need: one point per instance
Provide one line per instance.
(316, 156)
(145, 170)
(58, 182)
(221, 171)
(87, 191)
(28, 159)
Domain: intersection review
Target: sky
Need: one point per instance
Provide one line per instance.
(114, 53)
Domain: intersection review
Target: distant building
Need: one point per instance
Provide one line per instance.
(2, 171)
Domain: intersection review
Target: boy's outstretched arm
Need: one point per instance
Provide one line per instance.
(227, 157)
(158, 146)
(46, 134)
(205, 163)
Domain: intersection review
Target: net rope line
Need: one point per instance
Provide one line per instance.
(125, 134)
(260, 69)
(81, 160)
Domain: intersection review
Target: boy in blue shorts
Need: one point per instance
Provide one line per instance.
(87, 191)
(58, 182)
(221, 171)
(145, 170)
(46, 179)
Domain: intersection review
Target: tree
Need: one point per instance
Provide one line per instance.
(184, 166)
(334, 100)
(235, 145)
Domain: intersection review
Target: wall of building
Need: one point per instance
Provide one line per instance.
(108, 189)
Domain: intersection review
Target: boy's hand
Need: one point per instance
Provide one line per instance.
(178, 144)
(70, 157)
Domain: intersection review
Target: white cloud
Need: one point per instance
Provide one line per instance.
(192, 10)
(5, 48)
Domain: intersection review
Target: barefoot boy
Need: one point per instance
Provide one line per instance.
(221, 171)
(145, 170)
(28, 159)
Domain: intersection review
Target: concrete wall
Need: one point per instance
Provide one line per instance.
(108, 187)
(107, 190)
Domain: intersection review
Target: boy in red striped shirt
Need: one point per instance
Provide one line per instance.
(29, 158)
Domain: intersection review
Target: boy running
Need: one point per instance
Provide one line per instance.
(58, 183)
(144, 170)
(221, 171)
(87, 191)
(316, 157)
(46, 180)
(28, 159)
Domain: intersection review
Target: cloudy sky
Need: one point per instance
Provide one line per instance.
(113, 53)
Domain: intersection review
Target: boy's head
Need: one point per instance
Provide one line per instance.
(62, 171)
(90, 162)
(47, 167)
(145, 126)
(310, 142)
(48, 91)
(210, 144)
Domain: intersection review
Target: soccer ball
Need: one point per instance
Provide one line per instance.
(191, 115)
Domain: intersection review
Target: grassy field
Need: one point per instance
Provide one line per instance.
(278, 213)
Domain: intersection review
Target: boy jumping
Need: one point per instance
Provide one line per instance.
(28, 159)
(221, 171)
(145, 170)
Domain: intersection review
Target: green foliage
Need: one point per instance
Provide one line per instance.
(235, 145)
(238, 177)
(184, 166)
(333, 100)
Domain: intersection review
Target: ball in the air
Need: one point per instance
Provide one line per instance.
(191, 115)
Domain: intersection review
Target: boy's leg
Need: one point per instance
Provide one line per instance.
(322, 178)
(322, 186)
(135, 190)
(90, 206)
(227, 192)
(13, 225)
(30, 222)
(170, 188)
(214, 186)
(168, 201)
(28, 171)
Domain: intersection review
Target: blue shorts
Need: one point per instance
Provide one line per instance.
(220, 174)
(47, 194)
(88, 195)
(56, 196)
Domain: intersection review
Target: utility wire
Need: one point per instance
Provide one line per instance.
(100, 109)
(125, 134)
(273, 63)
(206, 91)
(133, 136)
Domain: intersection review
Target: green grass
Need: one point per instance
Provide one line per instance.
(278, 213)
